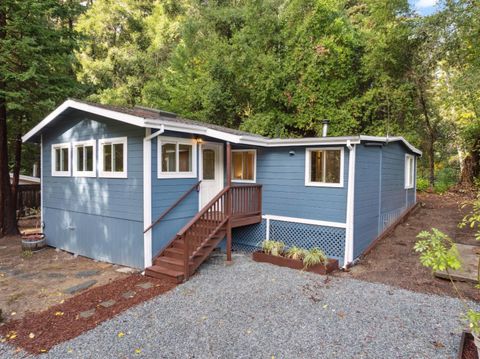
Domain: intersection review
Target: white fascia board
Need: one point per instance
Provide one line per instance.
(123, 117)
(392, 139)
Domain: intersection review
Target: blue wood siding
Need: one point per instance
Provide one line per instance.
(165, 192)
(96, 217)
(380, 194)
(284, 190)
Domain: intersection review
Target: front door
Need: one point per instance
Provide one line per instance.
(211, 171)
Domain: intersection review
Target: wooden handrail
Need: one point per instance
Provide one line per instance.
(169, 209)
(202, 211)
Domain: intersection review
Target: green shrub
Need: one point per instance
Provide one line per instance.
(314, 256)
(422, 184)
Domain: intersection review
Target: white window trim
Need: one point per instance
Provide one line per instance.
(162, 140)
(112, 174)
(56, 173)
(77, 173)
(407, 183)
(254, 166)
(308, 156)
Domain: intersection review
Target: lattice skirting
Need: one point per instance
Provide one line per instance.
(329, 239)
(386, 219)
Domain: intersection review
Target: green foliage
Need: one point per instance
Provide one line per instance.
(437, 251)
(472, 219)
(473, 319)
(314, 256)
(27, 254)
(275, 248)
(296, 253)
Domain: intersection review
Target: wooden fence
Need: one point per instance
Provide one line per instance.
(28, 197)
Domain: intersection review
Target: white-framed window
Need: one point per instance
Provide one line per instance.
(244, 166)
(84, 158)
(113, 157)
(409, 171)
(61, 159)
(177, 158)
(324, 167)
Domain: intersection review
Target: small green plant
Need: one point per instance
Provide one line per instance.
(27, 253)
(439, 252)
(314, 256)
(275, 248)
(296, 253)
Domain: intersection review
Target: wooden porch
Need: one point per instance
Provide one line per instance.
(234, 206)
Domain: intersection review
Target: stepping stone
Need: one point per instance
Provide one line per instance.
(129, 294)
(27, 275)
(108, 303)
(79, 287)
(146, 285)
(87, 273)
(56, 275)
(86, 314)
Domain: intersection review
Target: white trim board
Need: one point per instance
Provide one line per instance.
(314, 222)
(168, 125)
(147, 198)
(349, 235)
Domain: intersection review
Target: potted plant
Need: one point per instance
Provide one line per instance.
(439, 252)
(313, 260)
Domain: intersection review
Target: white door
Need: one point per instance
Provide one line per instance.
(211, 171)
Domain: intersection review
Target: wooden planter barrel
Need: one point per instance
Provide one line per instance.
(33, 242)
(295, 263)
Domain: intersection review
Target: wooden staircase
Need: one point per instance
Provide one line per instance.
(234, 206)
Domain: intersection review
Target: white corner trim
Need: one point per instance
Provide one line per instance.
(42, 193)
(314, 222)
(84, 173)
(147, 198)
(308, 156)
(53, 162)
(161, 140)
(112, 173)
(254, 166)
(348, 258)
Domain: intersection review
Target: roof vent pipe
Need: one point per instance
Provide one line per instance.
(325, 128)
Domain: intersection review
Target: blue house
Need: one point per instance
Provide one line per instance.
(147, 189)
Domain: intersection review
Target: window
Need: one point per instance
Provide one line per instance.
(244, 165)
(84, 160)
(61, 159)
(113, 157)
(409, 171)
(324, 167)
(177, 158)
(208, 164)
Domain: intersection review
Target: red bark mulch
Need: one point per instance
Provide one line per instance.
(469, 348)
(39, 332)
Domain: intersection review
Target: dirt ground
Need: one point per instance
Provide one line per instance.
(393, 260)
(36, 282)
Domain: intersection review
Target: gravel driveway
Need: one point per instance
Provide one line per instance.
(252, 310)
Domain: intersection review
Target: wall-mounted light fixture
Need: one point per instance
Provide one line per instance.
(199, 140)
(291, 153)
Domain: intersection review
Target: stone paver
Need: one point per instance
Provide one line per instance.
(108, 303)
(129, 294)
(87, 314)
(79, 287)
(87, 273)
(146, 285)
(56, 275)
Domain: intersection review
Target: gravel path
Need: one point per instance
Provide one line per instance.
(252, 310)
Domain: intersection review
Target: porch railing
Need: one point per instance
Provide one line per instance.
(231, 202)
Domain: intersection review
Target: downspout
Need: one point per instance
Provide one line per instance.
(348, 258)
(147, 193)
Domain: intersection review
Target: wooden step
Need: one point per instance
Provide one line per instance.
(160, 272)
(170, 262)
(173, 252)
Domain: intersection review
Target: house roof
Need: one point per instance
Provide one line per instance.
(26, 179)
(167, 121)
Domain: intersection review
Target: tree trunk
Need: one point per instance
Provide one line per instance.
(8, 223)
(16, 174)
(471, 166)
(431, 138)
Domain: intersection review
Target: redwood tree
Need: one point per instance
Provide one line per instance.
(37, 62)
